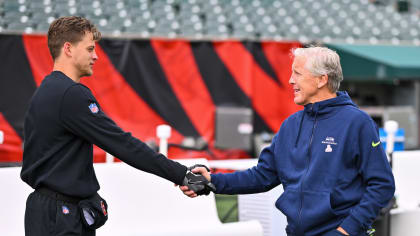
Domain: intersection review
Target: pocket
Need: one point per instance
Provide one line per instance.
(67, 219)
(93, 211)
(338, 233)
(289, 230)
(333, 232)
(316, 210)
(289, 204)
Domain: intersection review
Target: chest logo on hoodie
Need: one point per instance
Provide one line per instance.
(329, 141)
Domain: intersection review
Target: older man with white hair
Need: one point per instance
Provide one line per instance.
(328, 157)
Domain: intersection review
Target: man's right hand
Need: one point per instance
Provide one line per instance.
(197, 172)
(341, 230)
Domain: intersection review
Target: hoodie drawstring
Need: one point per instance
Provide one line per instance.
(300, 128)
(313, 129)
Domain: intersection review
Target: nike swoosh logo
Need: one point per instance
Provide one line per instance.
(375, 144)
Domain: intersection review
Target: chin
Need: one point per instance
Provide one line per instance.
(298, 101)
(87, 73)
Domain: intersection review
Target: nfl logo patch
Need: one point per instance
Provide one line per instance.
(65, 210)
(93, 108)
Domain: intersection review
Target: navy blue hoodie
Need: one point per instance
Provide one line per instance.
(333, 170)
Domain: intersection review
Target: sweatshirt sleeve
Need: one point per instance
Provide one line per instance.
(260, 178)
(377, 177)
(81, 114)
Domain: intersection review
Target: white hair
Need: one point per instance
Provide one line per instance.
(322, 61)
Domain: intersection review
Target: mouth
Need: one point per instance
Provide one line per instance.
(296, 90)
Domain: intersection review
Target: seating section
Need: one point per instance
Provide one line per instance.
(304, 20)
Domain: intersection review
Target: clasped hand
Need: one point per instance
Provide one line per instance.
(197, 181)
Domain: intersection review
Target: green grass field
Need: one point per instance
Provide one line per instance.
(227, 207)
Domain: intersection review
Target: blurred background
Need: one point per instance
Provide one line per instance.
(217, 71)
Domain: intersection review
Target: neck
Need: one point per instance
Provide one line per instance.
(325, 95)
(68, 71)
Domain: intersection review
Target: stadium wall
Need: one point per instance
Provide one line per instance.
(143, 83)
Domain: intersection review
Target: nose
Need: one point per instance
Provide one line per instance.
(95, 56)
(291, 80)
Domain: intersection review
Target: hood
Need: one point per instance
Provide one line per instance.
(327, 106)
(323, 109)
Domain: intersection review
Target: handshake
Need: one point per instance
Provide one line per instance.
(197, 181)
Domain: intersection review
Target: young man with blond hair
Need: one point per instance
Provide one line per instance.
(62, 123)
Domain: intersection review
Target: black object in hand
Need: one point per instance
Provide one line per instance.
(197, 182)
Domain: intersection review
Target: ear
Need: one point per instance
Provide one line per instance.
(67, 49)
(322, 81)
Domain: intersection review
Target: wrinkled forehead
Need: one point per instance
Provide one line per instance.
(299, 61)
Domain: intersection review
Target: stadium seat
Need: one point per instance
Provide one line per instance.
(11, 6)
(357, 19)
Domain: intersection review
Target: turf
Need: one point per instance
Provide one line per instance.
(227, 207)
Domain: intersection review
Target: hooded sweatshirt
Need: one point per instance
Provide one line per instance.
(332, 168)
